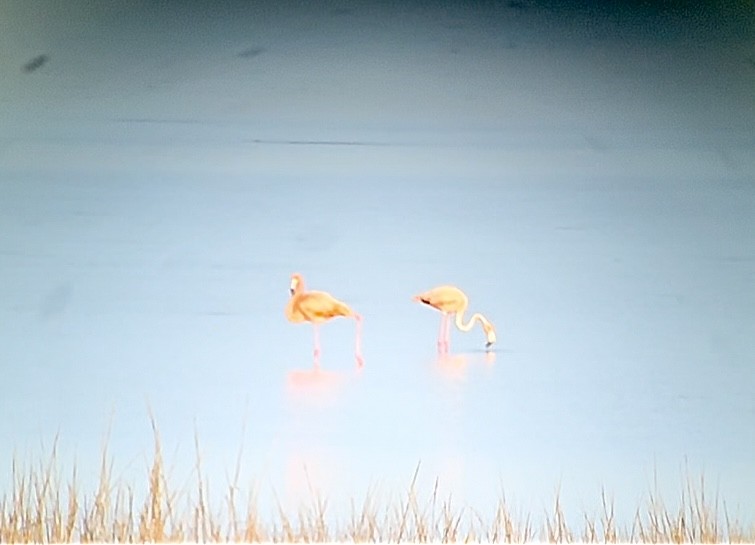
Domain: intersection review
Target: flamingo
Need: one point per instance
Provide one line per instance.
(318, 307)
(451, 300)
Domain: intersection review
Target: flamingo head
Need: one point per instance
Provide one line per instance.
(489, 334)
(297, 283)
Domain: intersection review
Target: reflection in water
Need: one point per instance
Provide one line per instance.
(460, 374)
(316, 385)
(453, 367)
(313, 466)
(308, 473)
(489, 358)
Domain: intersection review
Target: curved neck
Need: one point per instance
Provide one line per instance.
(468, 326)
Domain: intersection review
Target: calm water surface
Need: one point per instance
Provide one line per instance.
(145, 266)
(624, 330)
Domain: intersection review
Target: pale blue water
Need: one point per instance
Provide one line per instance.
(153, 206)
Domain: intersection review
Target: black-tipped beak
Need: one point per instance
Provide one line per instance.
(488, 345)
(291, 291)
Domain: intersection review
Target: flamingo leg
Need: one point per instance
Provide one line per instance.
(448, 333)
(442, 334)
(358, 342)
(317, 345)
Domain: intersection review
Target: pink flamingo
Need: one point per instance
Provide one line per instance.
(318, 307)
(451, 300)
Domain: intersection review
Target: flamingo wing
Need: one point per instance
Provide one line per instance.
(317, 306)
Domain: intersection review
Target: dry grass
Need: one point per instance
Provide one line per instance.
(42, 508)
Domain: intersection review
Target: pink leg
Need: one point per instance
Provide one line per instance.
(448, 333)
(442, 334)
(317, 345)
(358, 349)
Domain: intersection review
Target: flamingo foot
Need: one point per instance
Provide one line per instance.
(360, 361)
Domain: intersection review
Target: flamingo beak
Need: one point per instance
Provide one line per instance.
(292, 288)
(490, 335)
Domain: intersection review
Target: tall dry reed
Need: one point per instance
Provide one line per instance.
(41, 507)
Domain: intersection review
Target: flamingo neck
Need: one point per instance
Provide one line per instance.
(468, 326)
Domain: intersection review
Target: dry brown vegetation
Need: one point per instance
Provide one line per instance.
(42, 508)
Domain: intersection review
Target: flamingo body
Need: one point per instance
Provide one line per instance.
(448, 299)
(315, 306)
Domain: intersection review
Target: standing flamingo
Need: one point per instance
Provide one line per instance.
(451, 300)
(318, 307)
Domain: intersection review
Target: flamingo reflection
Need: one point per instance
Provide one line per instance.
(308, 472)
(454, 367)
(317, 384)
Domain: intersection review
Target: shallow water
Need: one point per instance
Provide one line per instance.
(145, 261)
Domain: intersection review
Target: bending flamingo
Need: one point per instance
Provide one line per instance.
(451, 300)
(318, 307)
